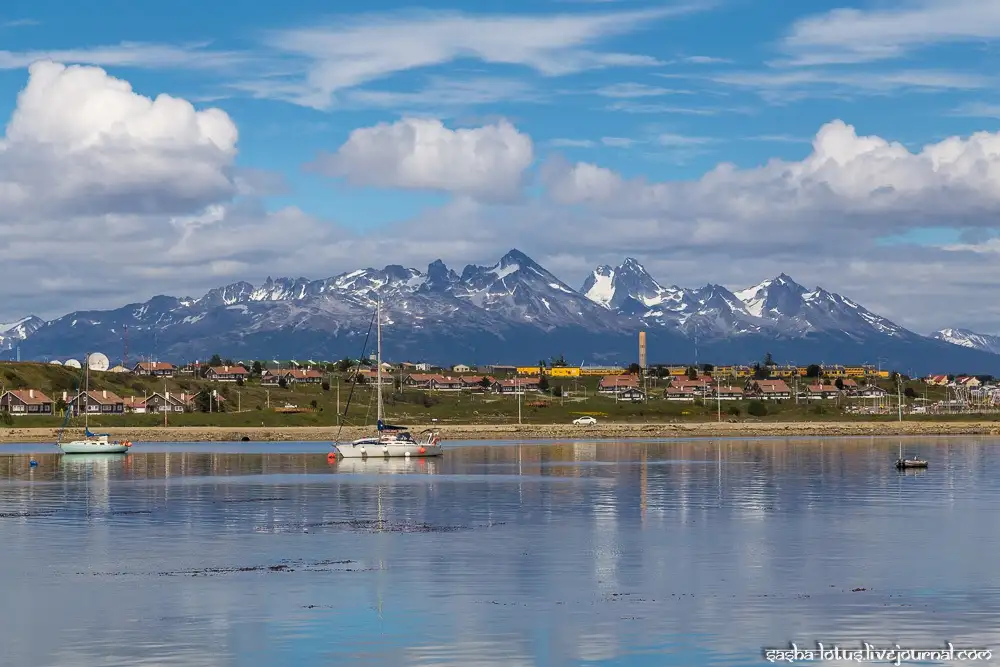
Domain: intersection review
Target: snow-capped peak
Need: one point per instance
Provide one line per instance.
(970, 339)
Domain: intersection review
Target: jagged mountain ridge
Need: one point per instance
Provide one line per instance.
(779, 307)
(970, 339)
(509, 311)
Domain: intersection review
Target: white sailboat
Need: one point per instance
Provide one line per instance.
(93, 443)
(389, 441)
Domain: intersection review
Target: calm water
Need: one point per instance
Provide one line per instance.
(683, 553)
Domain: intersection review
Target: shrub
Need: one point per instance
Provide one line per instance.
(282, 382)
(733, 410)
(325, 385)
(314, 404)
(757, 409)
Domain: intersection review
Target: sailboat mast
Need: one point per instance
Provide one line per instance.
(86, 390)
(378, 354)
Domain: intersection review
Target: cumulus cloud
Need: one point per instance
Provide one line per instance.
(845, 173)
(82, 140)
(422, 154)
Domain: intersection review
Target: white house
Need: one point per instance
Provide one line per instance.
(461, 368)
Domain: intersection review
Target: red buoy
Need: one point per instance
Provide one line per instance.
(331, 457)
(421, 451)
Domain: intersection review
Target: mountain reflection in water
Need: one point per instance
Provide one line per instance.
(684, 553)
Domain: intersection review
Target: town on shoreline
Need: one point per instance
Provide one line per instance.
(729, 430)
(267, 397)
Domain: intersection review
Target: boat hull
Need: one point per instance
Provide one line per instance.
(361, 450)
(93, 447)
(904, 464)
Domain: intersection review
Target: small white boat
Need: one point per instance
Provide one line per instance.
(389, 441)
(396, 444)
(92, 443)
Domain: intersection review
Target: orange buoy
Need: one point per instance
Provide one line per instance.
(421, 451)
(331, 457)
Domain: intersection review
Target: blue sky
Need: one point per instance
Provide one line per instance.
(652, 94)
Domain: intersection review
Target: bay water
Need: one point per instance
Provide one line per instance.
(633, 553)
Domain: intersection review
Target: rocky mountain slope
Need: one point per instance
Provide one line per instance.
(969, 339)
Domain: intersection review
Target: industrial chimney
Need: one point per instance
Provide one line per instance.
(642, 350)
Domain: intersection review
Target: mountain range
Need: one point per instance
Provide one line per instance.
(514, 311)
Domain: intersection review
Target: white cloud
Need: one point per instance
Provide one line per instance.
(610, 142)
(679, 140)
(442, 96)
(82, 140)
(350, 52)
(705, 60)
(856, 36)
(629, 90)
(850, 190)
(133, 54)
(782, 85)
(422, 154)
(978, 110)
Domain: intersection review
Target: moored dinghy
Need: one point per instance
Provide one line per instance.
(907, 462)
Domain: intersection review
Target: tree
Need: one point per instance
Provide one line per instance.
(60, 405)
(761, 372)
(543, 383)
(769, 360)
(228, 362)
(541, 367)
(257, 369)
(282, 382)
(757, 409)
(894, 377)
(557, 390)
(559, 361)
(240, 382)
(216, 360)
(634, 369)
(203, 401)
(485, 382)
(325, 385)
(707, 368)
(733, 410)
(910, 392)
(813, 371)
(343, 365)
(314, 404)
(692, 373)
(839, 384)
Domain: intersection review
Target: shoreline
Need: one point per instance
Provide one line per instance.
(139, 435)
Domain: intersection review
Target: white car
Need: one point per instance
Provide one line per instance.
(587, 421)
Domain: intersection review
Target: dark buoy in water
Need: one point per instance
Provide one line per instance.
(33, 463)
(245, 438)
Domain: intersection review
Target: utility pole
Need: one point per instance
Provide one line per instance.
(166, 403)
(899, 396)
(517, 390)
(239, 401)
(718, 397)
(338, 399)
(267, 394)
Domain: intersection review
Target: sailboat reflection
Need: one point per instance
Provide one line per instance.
(387, 466)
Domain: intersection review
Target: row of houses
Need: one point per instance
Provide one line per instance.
(19, 402)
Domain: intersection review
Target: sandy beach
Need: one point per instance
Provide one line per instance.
(524, 432)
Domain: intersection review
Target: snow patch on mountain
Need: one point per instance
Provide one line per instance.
(966, 338)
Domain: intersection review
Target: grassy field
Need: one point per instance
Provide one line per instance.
(254, 405)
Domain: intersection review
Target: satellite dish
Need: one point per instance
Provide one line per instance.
(98, 362)
(56, 362)
(73, 363)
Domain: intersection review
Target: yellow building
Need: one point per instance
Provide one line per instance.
(564, 371)
(601, 370)
(677, 371)
(528, 370)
